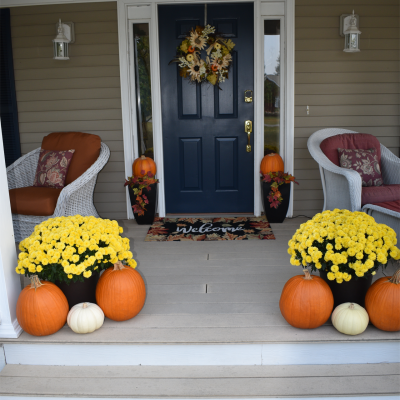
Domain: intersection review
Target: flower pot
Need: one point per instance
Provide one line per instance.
(80, 292)
(353, 291)
(148, 217)
(276, 215)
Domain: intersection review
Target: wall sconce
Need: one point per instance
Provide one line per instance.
(65, 36)
(349, 24)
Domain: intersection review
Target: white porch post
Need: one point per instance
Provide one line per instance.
(10, 286)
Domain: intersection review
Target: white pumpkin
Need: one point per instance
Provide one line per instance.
(350, 318)
(85, 318)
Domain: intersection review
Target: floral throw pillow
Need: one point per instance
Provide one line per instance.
(365, 162)
(52, 168)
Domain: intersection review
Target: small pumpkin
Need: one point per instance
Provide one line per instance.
(120, 292)
(143, 164)
(306, 301)
(271, 163)
(214, 68)
(191, 49)
(85, 318)
(382, 302)
(350, 318)
(42, 308)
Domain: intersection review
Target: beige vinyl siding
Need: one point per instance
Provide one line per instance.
(81, 94)
(358, 91)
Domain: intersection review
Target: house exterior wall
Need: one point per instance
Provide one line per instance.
(81, 94)
(358, 91)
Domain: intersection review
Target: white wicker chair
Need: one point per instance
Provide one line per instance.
(75, 198)
(342, 187)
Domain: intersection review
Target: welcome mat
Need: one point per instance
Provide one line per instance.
(209, 229)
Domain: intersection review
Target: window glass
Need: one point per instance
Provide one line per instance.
(272, 83)
(143, 89)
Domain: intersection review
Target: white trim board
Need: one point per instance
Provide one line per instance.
(2, 358)
(201, 355)
(208, 398)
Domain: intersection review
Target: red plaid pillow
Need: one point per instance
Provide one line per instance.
(365, 162)
(52, 168)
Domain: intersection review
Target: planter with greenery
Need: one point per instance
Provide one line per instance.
(346, 248)
(71, 252)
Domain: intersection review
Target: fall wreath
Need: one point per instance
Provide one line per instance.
(214, 69)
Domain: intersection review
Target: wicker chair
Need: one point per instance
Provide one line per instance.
(75, 198)
(342, 187)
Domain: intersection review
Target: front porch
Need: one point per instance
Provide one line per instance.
(211, 318)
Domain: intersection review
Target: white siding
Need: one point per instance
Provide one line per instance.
(357, 91)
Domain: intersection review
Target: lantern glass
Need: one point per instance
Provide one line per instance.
(61, 50)
(351, 42)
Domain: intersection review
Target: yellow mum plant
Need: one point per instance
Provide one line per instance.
(69, 249)
(345, 244)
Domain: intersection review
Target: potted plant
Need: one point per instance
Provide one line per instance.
(143, 196)
(71, 252)
(346, 248)
(276, 195)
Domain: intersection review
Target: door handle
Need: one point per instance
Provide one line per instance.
(248, 128)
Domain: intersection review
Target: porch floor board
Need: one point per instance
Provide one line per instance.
(211, 293)
(232, 381)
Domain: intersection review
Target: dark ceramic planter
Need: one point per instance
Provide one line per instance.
(80, 292)
(149, 214)
(276, 215)
(353, 291)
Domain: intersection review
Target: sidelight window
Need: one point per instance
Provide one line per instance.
(143, 89)
(272, 86)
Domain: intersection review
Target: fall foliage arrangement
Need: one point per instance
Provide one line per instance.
(214, 69)
(277, 179)
(138, 183)
(345, 244)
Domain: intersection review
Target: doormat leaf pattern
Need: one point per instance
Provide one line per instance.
(209, 229)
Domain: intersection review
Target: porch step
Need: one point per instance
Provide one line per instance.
(313, 381)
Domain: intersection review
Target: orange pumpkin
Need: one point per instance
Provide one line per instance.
(383, 303)
(191, 49)
(42, 308)
(214, 68)
(306, 301)
(271, 163)
(145, 164)
(120, 292)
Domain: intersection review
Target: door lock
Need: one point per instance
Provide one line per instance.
(248, 128)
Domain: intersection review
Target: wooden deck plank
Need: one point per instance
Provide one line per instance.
(134, 333)
(210, 371)
(191, 387)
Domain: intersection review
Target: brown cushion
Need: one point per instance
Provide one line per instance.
(32, 200)
(87, 150)
(379, 194)
(330, 145)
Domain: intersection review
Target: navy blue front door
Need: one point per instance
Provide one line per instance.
(207, 168)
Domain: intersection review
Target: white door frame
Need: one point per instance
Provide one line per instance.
(134, 11)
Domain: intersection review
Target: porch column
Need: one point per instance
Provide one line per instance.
(10, 285)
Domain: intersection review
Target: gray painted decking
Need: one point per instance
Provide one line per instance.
(211, 292)
(202, 382)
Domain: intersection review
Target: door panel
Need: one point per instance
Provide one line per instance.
(207, 168)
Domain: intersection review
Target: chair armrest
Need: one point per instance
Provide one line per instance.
(22, 172)
(342, 187)
(82, 183)
(348, 189)
(390, 167)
